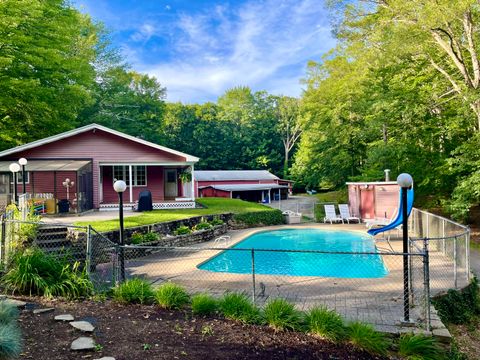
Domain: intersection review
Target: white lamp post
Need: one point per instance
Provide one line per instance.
(120, 186)
(68, 184)
(14, 168)
(405, 181)
(23, 162)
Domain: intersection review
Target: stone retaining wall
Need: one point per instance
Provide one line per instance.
(196, 237)
(167, 228)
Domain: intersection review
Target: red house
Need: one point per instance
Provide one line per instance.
(250, 185)
(92, 157)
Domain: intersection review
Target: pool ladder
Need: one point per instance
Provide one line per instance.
(225, 239)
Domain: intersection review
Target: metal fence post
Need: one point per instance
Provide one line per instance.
(426, 282)
(455, 261)
(410, 272)
(88, 256)
(444, 243)
(3, 238)
(467, 254)
(253, 274)
(428, 226)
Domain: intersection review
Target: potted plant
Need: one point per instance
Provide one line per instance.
(185, 176)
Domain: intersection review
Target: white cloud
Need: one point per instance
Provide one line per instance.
(144, 33)
(264, 44)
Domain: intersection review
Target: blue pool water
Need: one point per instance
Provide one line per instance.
(302, 264)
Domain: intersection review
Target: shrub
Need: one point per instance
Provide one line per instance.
(237, 306)
(419, 346)
(183, 230)
(171, 296)
(257, 218)
(279, 314)
(34, 272)
(8, 313)
(325, 323)
(134, 291)
(136, 238)
(459, 307)
(203, 304)
(10, 341)
(150, 236)
(202, 226)
(216, 222)
(365, 337)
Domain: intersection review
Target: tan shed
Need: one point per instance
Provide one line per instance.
(370, 200)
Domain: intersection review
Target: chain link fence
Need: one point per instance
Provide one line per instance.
(365, 286)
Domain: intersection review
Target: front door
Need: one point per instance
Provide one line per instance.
(367, 207)
(171, 186)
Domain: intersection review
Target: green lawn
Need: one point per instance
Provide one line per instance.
(214, 206)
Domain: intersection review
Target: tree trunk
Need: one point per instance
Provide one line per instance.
(285, 164)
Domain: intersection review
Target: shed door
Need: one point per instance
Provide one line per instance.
(367, 206)
(171, 187)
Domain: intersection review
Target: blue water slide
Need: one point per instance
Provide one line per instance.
(399, 219)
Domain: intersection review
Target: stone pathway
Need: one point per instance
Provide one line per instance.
(82, 343)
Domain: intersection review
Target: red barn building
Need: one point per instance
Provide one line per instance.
(92, 157)
(250, 185)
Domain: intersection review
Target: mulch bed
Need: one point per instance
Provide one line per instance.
(131, 332)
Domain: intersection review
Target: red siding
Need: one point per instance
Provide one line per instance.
(99, 146)
(234, 182)
(386, 200)
(43, 182)
(154, 184)
(210, 192)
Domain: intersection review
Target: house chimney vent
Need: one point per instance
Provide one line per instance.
(387, 174)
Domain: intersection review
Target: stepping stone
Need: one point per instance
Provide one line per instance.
(83, 343)
(41, 311)
(17, 303)
(64, 317)
(83, 325)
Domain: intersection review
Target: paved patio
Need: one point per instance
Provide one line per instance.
(375, 300)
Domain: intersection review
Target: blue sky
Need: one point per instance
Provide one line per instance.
(199, 49)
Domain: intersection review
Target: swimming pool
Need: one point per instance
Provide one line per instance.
(349, 265)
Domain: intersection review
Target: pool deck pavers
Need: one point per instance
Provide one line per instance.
(378, 301)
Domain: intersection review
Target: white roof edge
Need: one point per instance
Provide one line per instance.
(372, 183)
(89, 127)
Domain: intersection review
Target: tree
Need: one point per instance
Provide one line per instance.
(289, 126)
(47, 55)
(441, 32)
(128, 101)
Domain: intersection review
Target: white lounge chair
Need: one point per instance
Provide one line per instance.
(345, 213)
(331, 215)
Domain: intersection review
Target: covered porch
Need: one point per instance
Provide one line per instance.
(45, 184)
(170, 184)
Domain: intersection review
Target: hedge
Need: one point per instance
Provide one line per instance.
(258, 218)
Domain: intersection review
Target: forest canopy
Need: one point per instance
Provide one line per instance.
(399, 91)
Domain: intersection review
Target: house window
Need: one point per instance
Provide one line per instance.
(20, 177)
(139, 174)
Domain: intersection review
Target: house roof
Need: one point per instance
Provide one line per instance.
(373, 183)
(226, 175)
(48, 165)
(245, 187)
(67, 134)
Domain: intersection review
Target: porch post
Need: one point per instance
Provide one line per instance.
(193, 181)
(130, 182)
